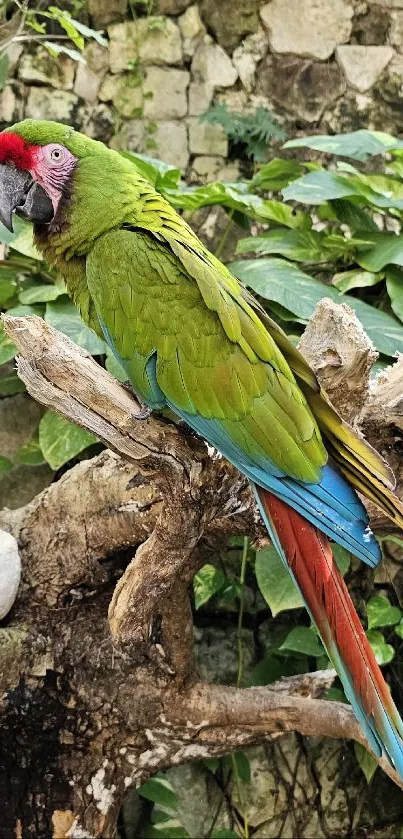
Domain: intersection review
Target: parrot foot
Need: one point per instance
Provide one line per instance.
(145, 412)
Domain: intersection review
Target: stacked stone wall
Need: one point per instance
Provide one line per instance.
(321, 65)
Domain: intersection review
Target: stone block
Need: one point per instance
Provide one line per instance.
(396, 30)
(363, 65)
(170, 7)
(104, 12)
(150, 40)
(307, 28)
(211, 64)
(41, 68)
(212, 168)
(302, 88)
(192, 30)
(125, 92)
(9, 105)
(247, 56)
(96, 121)
(130, 137)
(389, 4)
(45, 103)
(171, 143)
(168, 89)
(230, 20)
(87, 83)
(206, 139)
(206, 168)
(371, 27)
(200, 97)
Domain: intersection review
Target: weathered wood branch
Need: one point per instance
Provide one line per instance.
(124, 700)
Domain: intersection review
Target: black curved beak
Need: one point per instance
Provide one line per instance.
(21, 194)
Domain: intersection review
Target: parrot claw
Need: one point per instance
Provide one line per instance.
(145, 412)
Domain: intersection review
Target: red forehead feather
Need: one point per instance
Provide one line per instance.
(13, 149)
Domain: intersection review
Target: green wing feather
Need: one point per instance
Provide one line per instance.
(214, 357)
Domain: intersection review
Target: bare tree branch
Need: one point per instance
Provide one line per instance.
(129, 702)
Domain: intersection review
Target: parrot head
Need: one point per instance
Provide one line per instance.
(37, 163)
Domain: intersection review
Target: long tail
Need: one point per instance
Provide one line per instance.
(307, 554)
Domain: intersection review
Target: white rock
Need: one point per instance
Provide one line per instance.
(396, 30)
(207, 167)
(41, 67)
(171, 143)
(192, 29)
(10, 571)
(307, 27)
(8, 104)
(200, 97)
(206, 139)
(362, 65)
(13, 53)
(43, 103)
(247, 56)
(151, 40)
(390, 4)
(211, 64)
(169, 93)
(87, 83)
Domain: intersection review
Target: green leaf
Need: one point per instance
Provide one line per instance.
(380, 612)
(304, 640)
(61, 440)
(7, 348)
(63, 315)
(66, 22)
(23, 243)
(366, 761)
(348, 212)
(386, 248)
(399, 629)
(342, 557)
(267, 671)
(346, 280)
(276, 174)
(356, 144)
(275, 582)
(206, 583)
(160, 791)
(224, 834)
(55, 49)
(9, 385)
(242, 767)
(237, 197)
(7, 290)
(4, 68)
(301, 245)
(5, 464)
(30, 454)
(160, 174)
(284, 283)
(384, 653)
(42, 293)
(394, 286)
(114, 367)
(317, 187)
(23, 311)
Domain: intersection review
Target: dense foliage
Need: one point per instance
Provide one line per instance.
(310, 230)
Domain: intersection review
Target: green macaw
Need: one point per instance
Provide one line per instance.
(191, 338)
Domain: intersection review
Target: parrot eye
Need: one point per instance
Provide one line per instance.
(55, 155)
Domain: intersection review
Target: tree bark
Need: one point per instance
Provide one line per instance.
(98, 684)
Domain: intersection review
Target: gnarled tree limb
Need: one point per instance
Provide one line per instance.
(128, 703)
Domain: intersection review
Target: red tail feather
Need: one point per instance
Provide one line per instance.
(311, 562)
